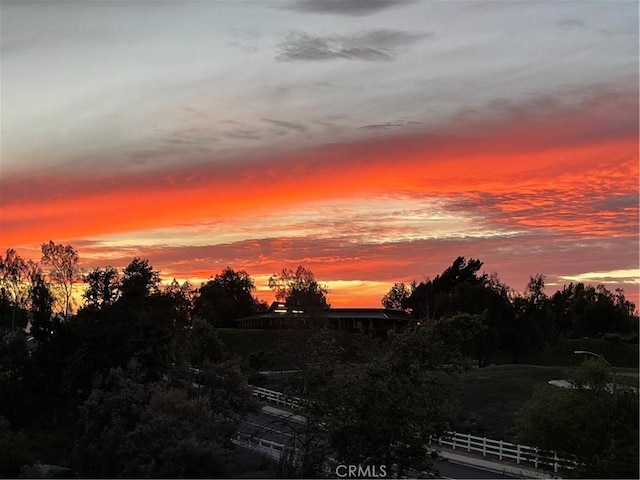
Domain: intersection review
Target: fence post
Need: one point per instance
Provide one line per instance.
(518, 455)
(484, 446)
(500, 450)
(468, 442)
(555, 463)
(535, 461)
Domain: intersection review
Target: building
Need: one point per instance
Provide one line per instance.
(350, 319)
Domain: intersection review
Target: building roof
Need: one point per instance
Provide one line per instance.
(280, 311)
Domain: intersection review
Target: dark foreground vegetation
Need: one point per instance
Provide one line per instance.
(146, 380)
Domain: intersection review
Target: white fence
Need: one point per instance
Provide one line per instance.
(266, 447)
(504, 451)
(278, 398)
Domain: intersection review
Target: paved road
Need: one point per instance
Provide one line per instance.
(453, 470)
(270, 426)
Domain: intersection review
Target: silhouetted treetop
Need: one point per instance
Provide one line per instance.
(299, 290)
(139, 279)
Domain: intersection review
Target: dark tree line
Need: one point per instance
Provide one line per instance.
(520, 323)
(136, 383)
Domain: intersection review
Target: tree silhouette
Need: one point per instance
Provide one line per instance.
(64, 272)
(42, 320)
(225, 297)
(139, 279)
(300, 290)
(102, 287)
(15, 279)
(396, 297)
(432, 298)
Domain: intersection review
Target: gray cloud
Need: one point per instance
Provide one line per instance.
(376, 46)
(617, 202)
(286, 125)
(243, 133)
(354, 8)
(387, 125)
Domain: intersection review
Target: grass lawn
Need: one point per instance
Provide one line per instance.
(489, 398)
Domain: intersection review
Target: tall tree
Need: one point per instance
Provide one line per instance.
(300, 290)
(396, 297)
(181, 299)
(139, 279)
(532, 326)
(15, 279)
(43, 323)
(102, 287)
(140, 323)
(226, 297)
(432, 298)
(64, 272)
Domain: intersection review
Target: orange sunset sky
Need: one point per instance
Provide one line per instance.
(371, 142)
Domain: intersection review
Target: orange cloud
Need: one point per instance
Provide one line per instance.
(555, 176)
(498, 158)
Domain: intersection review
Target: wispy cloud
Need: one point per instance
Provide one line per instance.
(387, 125)
(375, 46)
(631, 277)
(281, 124)
(354, 8)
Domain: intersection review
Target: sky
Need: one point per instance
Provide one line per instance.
(372, 142)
